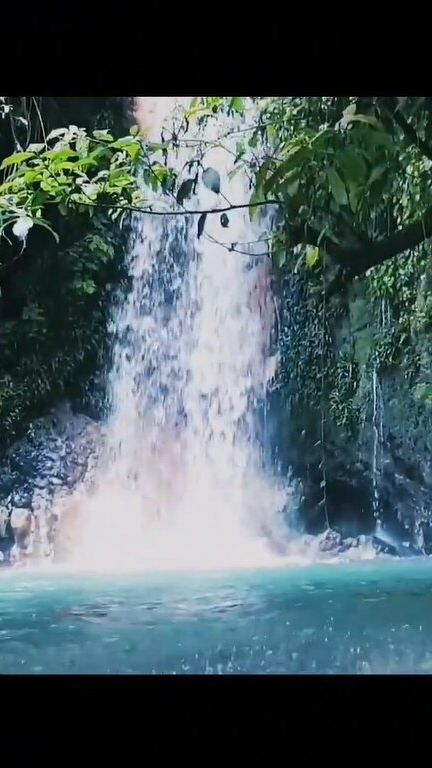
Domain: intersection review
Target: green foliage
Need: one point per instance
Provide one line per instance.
(343, 407)
(342, 170)
(59, 335)
(72, 171)
(355, 171)
(53, 302)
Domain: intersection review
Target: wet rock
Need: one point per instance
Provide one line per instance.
(23, 462)
(52, 456)
(330, 541)
(41, 482)
(5, 547)
(384, 547)
(22, 498)
(349, 543)
(4, 517)
(408, 549)
(7, 482)
(58, 453)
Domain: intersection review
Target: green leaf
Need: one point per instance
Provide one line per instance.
(133, 150)
(295, 158)
(184, 191)
(322, 138)
(369, 119)
(380, 139)
(337, 187)
(211, 180)
(254, 210)
(377, 172)
(237, 104)
(272, 134)
(281, 258)
(122, 143)
(291, 183)
(352, 165)
(57, 132)
(82, 145)
(201, 223)
(58, 155)
(35, 147)
(88, 286)
(355, 192)
(65, 166)
(16, 159)
(350, 110)
(312, 257)
(157, 147)
(253, 141)
(91, 190)
(103, 135)
(95, 156)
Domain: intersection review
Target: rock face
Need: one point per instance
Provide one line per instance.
(58, 453)
(367, 421)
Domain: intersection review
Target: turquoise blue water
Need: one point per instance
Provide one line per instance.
(370, 617)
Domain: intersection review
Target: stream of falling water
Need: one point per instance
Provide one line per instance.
(378, 428)
(183, 481)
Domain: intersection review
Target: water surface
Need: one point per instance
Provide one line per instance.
(351, 618)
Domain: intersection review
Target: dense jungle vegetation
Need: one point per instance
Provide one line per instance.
(350, 179)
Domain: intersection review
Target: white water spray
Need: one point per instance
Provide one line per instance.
(182, 483)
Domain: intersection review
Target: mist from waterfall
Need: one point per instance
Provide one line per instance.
(183, 482)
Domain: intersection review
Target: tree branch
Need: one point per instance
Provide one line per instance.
(183, 212)
(400, 241)
(392, 108)
(354, 261)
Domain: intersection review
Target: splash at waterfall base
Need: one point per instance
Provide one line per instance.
(183, 462)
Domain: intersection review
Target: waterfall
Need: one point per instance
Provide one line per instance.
(377, 423)
(378, 426)
(183, 481)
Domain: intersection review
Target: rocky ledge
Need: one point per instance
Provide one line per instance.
(332, 542)
(58, 452)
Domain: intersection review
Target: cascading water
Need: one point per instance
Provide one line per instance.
(182, 482)
(378, 428)
(377, 423)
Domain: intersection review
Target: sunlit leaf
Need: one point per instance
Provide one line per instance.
(16, 159)
(337, 187)
(312, 257)
(35, 147)
(57, 132)
(237, 104)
